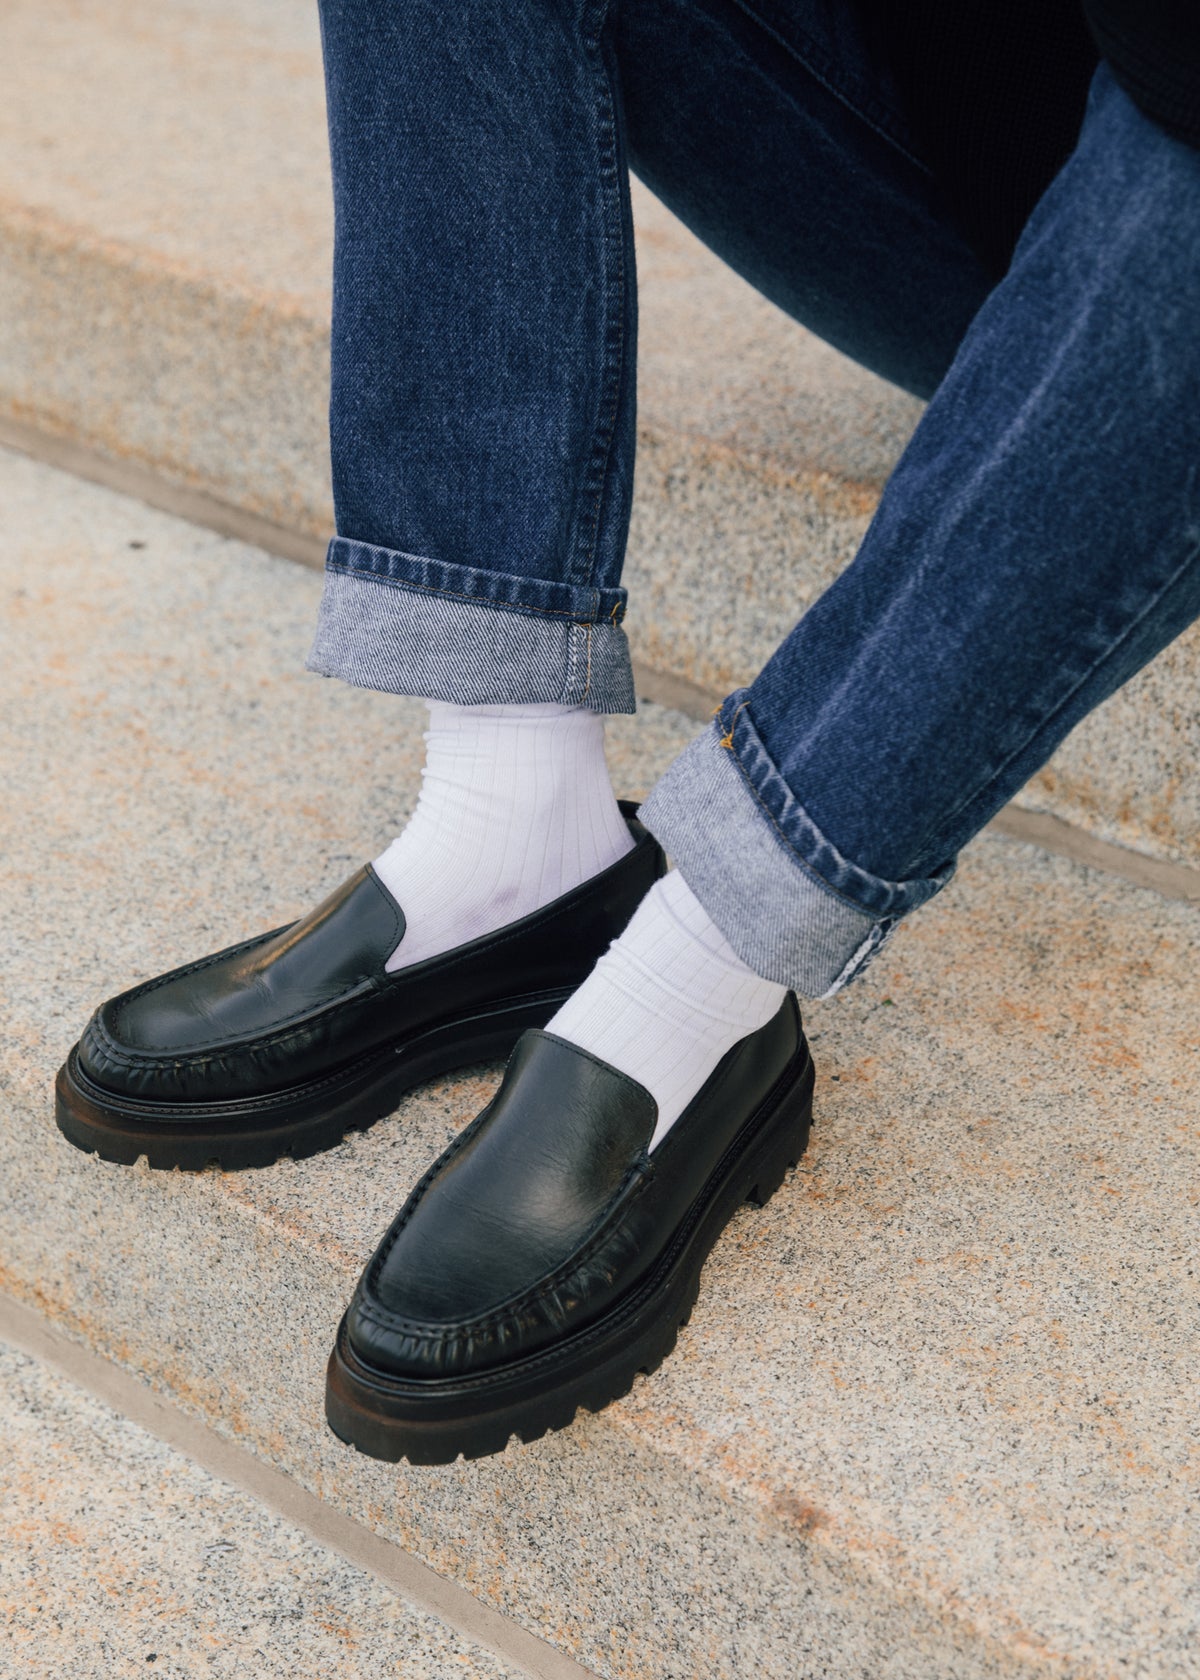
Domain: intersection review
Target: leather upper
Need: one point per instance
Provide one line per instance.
(296, 1003)
(549, 1208)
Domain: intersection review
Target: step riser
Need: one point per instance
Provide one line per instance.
(147, 362)
(76, 1470)
(226, 392)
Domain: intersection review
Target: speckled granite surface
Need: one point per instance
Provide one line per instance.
(119, 1557)
(935, 1416)
(164, 297)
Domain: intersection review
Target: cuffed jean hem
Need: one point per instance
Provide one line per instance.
(781, 916)
(406, 625)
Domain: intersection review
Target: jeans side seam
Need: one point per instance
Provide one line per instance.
(403, 585)
(1097, 665)
(805, 60)
(571, 680)
(568, 685)
(861, 957)
(868, 915)
(608, 174)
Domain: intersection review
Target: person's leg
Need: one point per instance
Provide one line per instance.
(482, 439)
(481, 428)
(823, 202)
(482, 418)
(483, 380)
(484, 325)
(772, 131)
(555, 1248)
(1038, 542)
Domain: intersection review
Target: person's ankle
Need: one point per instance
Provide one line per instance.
(516, 808)
(668, 1000)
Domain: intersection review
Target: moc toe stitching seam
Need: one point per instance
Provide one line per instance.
(575, 1265)
(203, 1054)
(124, 999)
(193, 1054)
(599, 1288)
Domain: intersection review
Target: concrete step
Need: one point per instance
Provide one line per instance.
(934, 1416)
(164, 261)
(119, 1557)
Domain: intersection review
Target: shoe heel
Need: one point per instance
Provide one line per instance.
(785, 1138)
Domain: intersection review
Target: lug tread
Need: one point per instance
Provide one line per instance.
(389, 1446)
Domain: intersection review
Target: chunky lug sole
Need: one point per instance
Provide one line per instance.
(434, 1422)
(300, 1121)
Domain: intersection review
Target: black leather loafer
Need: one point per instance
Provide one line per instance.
(547, 1257)
(284, 1043)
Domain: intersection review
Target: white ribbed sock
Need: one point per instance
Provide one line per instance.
(667, 1000)
(515, 809)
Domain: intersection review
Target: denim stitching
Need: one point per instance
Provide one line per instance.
(572, 662)
(868, 915)
(727, 738)
(402, 584)
(614, 336)
(353, 567)
(894, 889)
(805, 60)
(862, 957)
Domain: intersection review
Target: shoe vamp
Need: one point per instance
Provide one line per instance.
(532, 1223)
(224, 1007)
(522, 1295)
(337, 951)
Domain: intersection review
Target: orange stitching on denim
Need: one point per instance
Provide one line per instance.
(727, 739)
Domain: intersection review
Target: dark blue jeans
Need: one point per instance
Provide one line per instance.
(1038, 542)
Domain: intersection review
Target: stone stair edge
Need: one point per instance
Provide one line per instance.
(40, 230)
(776, 1512)
(36, 232)
(893, 1595)
(421, 1593)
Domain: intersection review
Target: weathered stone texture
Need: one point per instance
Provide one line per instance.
(934, 1417)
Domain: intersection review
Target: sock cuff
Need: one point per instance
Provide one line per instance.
(680, 903)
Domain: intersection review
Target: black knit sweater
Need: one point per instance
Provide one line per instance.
(1154, 49)
(995, 92)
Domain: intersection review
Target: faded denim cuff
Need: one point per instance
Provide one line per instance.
(407, 625)
(790, 905)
